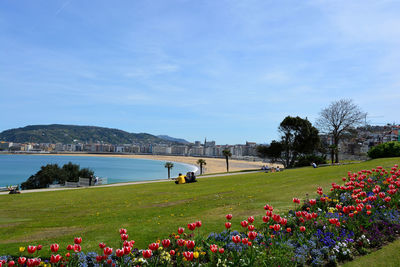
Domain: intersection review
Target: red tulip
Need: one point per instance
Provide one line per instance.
(124, 237)
(250, 227)
(127, 250)
(191, 226)
(387, 199)
(368, 212)
(77, 248)
(265, 219)
(172, 252)
(31, 249)
(214, 248)
(228, 217)
(122, 231)
(181, 230)
(11, 263)
(268, 213)
(250, 219)
(147, 253)
(244, 224)
(296, 200)
(302, 228)
(180, 242)
(55, 258)
(252, 235)
(119, 253)
(107, 251)
(78, 240)
(245, 241)
(283, 221)
(39, 247)
(70, 247)
(154, 246)
(236, 239)
(312, 202)
(288, 229)
(228, 225)
(54, 248)
(277, 227)
(109, 261)
(249, 244)
(221, 250)
(188, 255)
(99, 258)
(166, 243)
(198, 224)
(276, 218)
(190, 244)
(21, 260)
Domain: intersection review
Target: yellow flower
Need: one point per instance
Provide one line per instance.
(21, 249)
(195, 255)
(203, 253)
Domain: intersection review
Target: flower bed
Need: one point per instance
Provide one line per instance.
(350, 220)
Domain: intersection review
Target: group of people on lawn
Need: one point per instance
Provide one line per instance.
(184, 179)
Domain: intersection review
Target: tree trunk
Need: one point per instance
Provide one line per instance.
(227, 164)
(169, 173)
(201, 169)
(336, 140)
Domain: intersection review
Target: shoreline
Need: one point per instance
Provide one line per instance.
(213, 165)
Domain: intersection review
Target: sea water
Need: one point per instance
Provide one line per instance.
(15, 169)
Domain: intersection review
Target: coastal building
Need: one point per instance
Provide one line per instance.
(161, 150)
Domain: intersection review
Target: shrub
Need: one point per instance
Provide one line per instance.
(385, 150)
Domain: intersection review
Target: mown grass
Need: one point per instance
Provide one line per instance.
(153, 211)
(388, 256)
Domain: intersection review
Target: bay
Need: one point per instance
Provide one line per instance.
(15, 169)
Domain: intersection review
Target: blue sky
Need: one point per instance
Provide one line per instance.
(226, 70)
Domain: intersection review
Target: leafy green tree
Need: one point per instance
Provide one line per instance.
(52, 173)
(385, 150)
(169, 166)
(273, 151)
(298, 138)
(201, 162)
(227, 154)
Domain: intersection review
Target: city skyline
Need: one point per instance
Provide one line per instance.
(229, 71)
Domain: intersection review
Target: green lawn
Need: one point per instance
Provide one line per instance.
(153, 211)
(388, 256)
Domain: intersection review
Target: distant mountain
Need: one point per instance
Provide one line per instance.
(172, 139)
(67, 134)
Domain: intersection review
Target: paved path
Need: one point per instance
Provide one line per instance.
(128, 183)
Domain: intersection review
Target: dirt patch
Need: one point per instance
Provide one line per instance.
(46, 233)
(169, 203)
(10, 224)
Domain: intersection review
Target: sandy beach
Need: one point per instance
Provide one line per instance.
(214, 165)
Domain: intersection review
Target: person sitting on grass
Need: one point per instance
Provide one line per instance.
(180, 179)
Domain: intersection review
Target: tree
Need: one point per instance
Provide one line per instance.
(201, 162)
(52, 173)
(273, 151)
(298, 139)
(169, 166)
(338, 119)
(227, 154)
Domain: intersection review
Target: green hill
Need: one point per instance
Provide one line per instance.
(67, 134)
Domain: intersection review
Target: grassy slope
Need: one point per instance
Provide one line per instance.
(151, 211)
(388, 256)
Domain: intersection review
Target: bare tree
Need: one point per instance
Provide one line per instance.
(337, 119)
